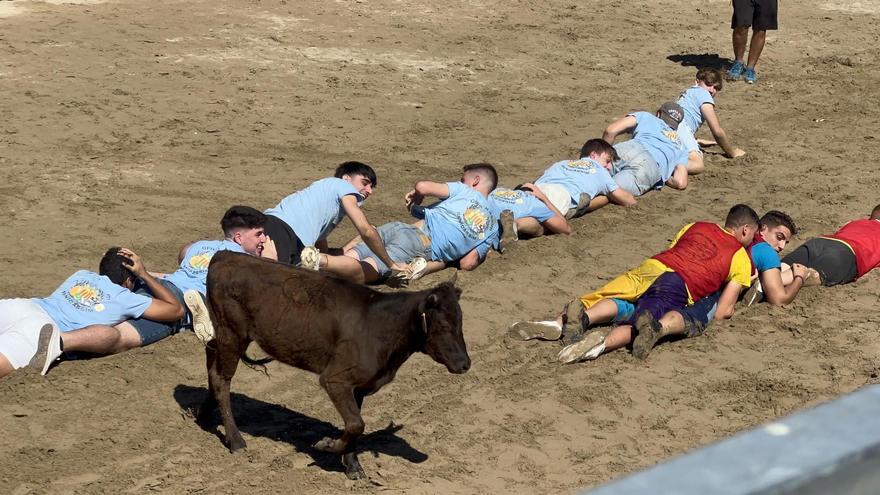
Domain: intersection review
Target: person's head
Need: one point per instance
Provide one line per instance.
(671, 113)
(245, 226)
(113, 266)
(480, 176)
(599, 150)
(875, 213)
(360, 175)
(742, 222)
(776, 228)
(710, 80)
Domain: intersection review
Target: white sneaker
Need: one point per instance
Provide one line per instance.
(542, 330)
(591, 347)
(202, 326)
(417, 268)
(754, 294)
(48, 349)
(310, 258)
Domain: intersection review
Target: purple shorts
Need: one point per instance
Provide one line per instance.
(667, 293)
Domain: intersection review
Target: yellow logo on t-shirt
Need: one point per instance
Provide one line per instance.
(476, 220)
(508, 195)
(583, 166)
(671, 135)
(201, 261)
(85, 296)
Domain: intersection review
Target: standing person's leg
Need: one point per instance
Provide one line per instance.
(764, 20)
(740, 22)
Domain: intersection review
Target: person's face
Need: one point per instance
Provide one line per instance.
(603, 158)
(251, 240)
(363, 185)
(711, 89)
(777, 236)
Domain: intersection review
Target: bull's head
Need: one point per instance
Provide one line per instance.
(441, 322)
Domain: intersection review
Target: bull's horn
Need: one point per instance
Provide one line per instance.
(453, 278)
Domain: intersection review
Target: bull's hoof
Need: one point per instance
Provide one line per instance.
(328, 444)
(237, 445)
(353, 469)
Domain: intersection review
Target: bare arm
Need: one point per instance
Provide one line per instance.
(622, 197)
(425, 188)
(165, 306)
(368, 233)
(708, 111)
(679, 179)
(625, 124)
(470, 261)
(727, 301)
(778, 294)
(556, 224)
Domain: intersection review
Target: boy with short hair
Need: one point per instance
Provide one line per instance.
(31, 330)
(306, 218)
(655, 155)
(698, 103)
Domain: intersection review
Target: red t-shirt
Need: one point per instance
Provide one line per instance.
(702, 256)
(863, 237)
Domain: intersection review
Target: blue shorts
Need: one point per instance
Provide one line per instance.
(403, 243)
(698, 315)
(154, 331)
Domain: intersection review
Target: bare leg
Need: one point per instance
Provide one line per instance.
(672, 323)
(529, 227)
(740, 36)
(350, 267)
(602, 312)
(102, 339)
(756, 46)
(695, 163)
(619, 337)
(5, 366)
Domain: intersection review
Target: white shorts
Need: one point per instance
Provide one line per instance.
(20, 324)
(557, 195)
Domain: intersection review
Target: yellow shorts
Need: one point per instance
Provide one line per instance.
(629, 286)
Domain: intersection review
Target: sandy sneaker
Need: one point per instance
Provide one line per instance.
(202, 325)
(528, 330)
(591, 346)
(649, 333)
(754, 294)
(508, 230)
(48, 349)
(310, 258)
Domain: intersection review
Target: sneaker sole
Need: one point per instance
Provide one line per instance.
(528, 330)
(202, 326)
(41, 361)
(310, 258)
(417, 268)
(591, 347)
(647, 338)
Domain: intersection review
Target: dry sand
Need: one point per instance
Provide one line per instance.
(139, 123)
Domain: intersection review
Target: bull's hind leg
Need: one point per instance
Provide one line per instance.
(206, 410)
(348, 402)
(219, 377)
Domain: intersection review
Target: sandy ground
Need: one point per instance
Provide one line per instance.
(138, 123)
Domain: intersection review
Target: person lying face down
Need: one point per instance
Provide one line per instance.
(458, 229)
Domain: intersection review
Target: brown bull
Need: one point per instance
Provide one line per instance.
(353, 337)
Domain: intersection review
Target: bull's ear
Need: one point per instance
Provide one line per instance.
(454, 278)
(432, 300)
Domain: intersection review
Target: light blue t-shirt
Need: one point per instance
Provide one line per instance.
(87, 298)
(660, 141)
(461, 222)
(315, 211)
(522, 203)
(764, 257)
(690, 101)
(193, 271)
(579, 176)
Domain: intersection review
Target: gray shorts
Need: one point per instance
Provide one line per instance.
(636, 172)
(403, 243)
(154, 331)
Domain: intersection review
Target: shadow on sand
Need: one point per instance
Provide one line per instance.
(700, 60)
(263, 419)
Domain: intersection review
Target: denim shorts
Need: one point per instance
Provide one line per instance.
(403, 243)
(698, 315)
(154, 331)
(636, 172)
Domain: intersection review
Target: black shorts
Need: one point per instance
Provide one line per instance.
(760, 14)
(286, 241)
(834, 260)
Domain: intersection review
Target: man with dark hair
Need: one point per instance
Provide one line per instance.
(760, 15)
(844, 256)
(655, 155)
(459, 228)
(576, 186)
(698, 103)
(31, 330)
(305, 218)
(774, 231)
(702, 257)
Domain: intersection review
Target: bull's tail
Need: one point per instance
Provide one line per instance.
(256, 364)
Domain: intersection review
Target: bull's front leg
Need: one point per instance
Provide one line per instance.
(348, 403)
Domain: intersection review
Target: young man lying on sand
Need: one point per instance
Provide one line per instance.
(29, 328)
(702, 258)
(459, 228)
